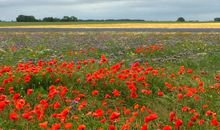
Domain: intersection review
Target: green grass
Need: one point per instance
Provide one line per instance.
(2, 24)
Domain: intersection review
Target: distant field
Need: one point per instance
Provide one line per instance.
(109, 25)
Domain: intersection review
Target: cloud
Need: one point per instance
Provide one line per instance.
(105, 9)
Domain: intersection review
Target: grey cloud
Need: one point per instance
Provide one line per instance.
(104, 9)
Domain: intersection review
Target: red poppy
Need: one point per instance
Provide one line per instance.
(103, 120)
(214, 122)
(143, 108)
(178, 123)
(133, 95)
(98, 113)
(56, 105)
(55, 126)
(68, 125)
(95, 92)
(19, 104)
(144, 127)
(81, 127)
(189, 71)
(160, 94)
(29, 92)
(82, 105)
(13, 116)
(2, 105)
(103, 59)
(27, 116)
(201, 122)
(111, 127)
(16, 96)
(27, 78)
(57, 80)
(116, 93)
(114, 115)
(167, 127)
(150, 117)
(172, 116)
(43, 125)
(136, 106)
(107, 96)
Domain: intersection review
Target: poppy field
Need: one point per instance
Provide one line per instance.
(109, 81)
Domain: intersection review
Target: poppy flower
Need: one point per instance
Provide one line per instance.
(68, 125)
(116, 93)
(103, 120)
(56, 105)
(150, 117)
(43, 125)
(172, 116)
(167, 127)
(178, 123)
(136, 106)
(144, 127)
(19, 104)
(111, 127)
(189, 71)
(95, 92)
(107, 96)
(103, 59)
(214, 122)
(29, 92)
(56, 126)
(114, 115)
(2, 105)
(27, 116)
(27, 78)
(134, 95)
(160, 94)
(143, 108)
(16, 96)
(82, 105)
(81, 127)
(57, 80)
(98, 113)
(13, 116)
(201, 122)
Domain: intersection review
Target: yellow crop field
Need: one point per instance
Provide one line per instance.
(119, 25)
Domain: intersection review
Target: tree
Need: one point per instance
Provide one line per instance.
(74, 19)
(51, 19)
(48, 19)
(65, 19)
(180, 19)
(217, 19)
(24, 18)
(69, 19)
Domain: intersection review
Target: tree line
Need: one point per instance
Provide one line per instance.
(26, 18)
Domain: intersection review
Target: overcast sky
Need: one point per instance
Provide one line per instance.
(112, 9)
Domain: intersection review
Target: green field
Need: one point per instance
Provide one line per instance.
(2, 24)
(108, 80)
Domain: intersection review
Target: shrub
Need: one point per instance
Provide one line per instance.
(217, 19)
(24, 18)
(180, 19)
